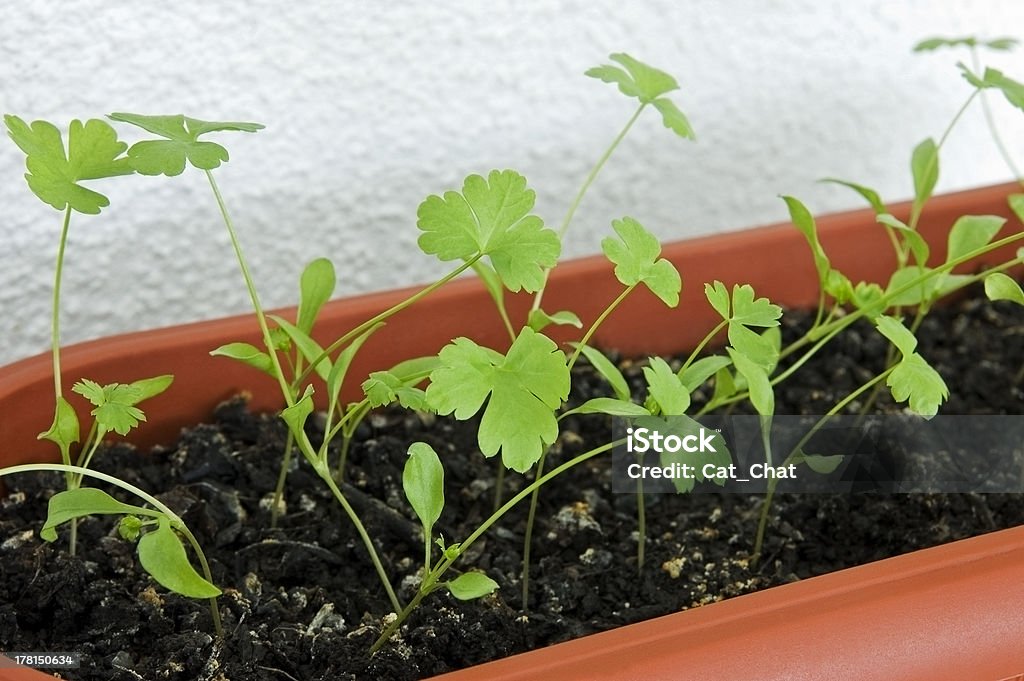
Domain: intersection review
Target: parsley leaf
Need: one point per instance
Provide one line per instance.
(912, 378)
(524, 388)
(180, 144)
(115, 403)
(491, 217)
(93, 152)
(648, 84)
(635, 255)
(742, 310)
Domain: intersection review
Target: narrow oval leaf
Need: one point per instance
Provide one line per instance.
(83, 501)
(924, 165)
(700, 371)
(309, 348)
(998, 286)
(607, 369)
(336, 378)
(820, 463)
(471, 585)
(423, 482)
(163, 557)
(316, 286)
(608, 405)
(64, 429)
(761, 394)
(972, 232)
(804, 222)
(247, 354)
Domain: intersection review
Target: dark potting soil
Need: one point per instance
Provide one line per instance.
(302, 601)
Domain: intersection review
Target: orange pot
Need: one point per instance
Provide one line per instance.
(950, 612)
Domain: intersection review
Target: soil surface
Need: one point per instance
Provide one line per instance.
(302, 600)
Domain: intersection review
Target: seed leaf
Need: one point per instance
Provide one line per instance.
(918, 246)
(761, 394)
(700, 371)
(180, 144)
(608, 405)
(525, 387)
(971, 232)
(470, 585)
(247, 354)
(804, 222)
(869, 194)
(819, 463)
(64, 430)
(608, 370)
(998, 286)
(539, 319)
(666, 388)
(163, 557)
(924, 165)
(423, 482)
(635, 255)
(316, 286)
(93, 152)
(491, 217)
(80, 502)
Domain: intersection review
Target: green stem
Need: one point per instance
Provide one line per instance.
(282, 476)
(590, 332)
(992, 128)
(354, 333)
(176, 522)
(567, 220)
(531, 517)
(762, 523)
(251, 287)
(700, 346)
(55, 314)
(325, 473)
(448, 561)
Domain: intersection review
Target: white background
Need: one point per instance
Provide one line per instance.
(370, 107)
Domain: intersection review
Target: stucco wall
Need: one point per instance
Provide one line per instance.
(370, 107)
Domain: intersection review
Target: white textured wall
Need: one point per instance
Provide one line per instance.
(371, 106)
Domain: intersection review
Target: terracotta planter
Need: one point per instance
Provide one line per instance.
(949, 612)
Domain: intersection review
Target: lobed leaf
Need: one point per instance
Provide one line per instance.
(666, 388)
(635, 255)
(912, 378)
(93, 152)
(181, 143)
(523, 389)
(491, 217)
(115, 403)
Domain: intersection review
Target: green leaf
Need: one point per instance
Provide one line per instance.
(804, 222)
(64, 430)
(608, 405)
(336, 377)
(130, 528)
(83, 501)
(915, 295)
(1016, 203)
(869, 194)
(93, 152)
(491, 216)
(471, 585)
(970, 233)
(525, 388)
(383, 387)
(758, 384)
(492, 282)
(725, 385)
(635, 255)
(607, 369)
(180, 144)
(247, 354)
(998, 286)
(918, 246)
(1011, 89)
(115, 403)
(674, 119)
(684, 426)
(308, 347)
(912, 378)
(316, 286)
(935, 43)
(295, 416)
(819, 463)
(639, 80)
(163, 557)
(924, 165)
(666, 388)
(539, 319)
(718, 295)
(700, 371)
(423, 482)
(750, 312)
